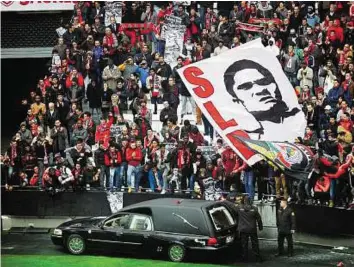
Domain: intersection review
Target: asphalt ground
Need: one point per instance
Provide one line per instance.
(40, 244)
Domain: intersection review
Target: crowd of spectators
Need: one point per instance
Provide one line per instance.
(75, 132)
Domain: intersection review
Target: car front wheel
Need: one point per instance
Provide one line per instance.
(75, 244)
(176, 252)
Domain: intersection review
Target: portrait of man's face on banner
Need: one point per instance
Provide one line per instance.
(255, 88)
(247, 87)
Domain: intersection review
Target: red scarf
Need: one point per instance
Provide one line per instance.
(143, 111)
(162, 154)
(308, 136)
(116, 111)
(154, 86)
(13, 154)
(199, 55)
(43, 89)
(183, 158)
(76, 173)
(134, 132)
(113, 155)
(209, 20)
(34, 129)
(88, 123)
(153, 153)
(346, 84)
(305, 95)
(109, 40)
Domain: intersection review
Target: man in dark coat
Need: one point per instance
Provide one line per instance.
(75, 93)
(60, 138)
(226, 31)
(286, 227)
(93, 95)
(63, 107)
(182, 14)
(167, 113)
(248, 219)
(133, 14)
(163, 69)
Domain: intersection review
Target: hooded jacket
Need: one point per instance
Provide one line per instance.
(265, 11)
(229, 160)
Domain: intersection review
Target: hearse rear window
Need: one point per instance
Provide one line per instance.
(221, 218)
(180, 220)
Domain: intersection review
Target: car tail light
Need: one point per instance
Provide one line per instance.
(212, 241)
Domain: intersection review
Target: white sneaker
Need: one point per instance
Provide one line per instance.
(163, 191)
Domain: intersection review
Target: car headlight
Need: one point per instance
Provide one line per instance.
(58, 232)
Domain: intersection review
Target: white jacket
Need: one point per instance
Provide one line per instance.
(305, 76)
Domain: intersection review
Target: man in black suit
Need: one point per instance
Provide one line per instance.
(286, 227)
(114, 26)
(97, 12)
(133, 14)
(62, 107)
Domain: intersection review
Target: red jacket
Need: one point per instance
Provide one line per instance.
(183, 158)
(80, 80)
(338, 30)
(116, 157)
(103, 132)
(322, 186)
(341, 170)
(228, 157)
(34, 179)
(197, 138)
(136, 159)
(240, 165)
(348, 125)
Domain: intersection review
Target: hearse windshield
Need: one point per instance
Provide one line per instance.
(221, 218)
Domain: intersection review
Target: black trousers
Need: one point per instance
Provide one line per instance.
(186, 174)
(262, 187)
(289, 240)
(254, 242)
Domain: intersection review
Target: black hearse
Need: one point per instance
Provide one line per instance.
(169, 226)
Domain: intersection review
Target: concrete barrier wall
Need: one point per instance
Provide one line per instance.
(39, 205)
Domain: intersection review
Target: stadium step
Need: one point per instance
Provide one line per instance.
(28, 230)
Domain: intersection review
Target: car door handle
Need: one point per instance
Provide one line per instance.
(146, 236)
(119, 233)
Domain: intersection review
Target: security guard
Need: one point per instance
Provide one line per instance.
(286, 227)
(248, 217)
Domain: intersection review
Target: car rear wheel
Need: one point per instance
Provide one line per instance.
(75, 244)
(176, 253)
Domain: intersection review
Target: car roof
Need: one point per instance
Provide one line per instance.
(172, 202)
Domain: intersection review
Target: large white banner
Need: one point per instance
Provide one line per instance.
(173, 33)
(244, 92)
(37, 5)
(113, 9)
(115, 200)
